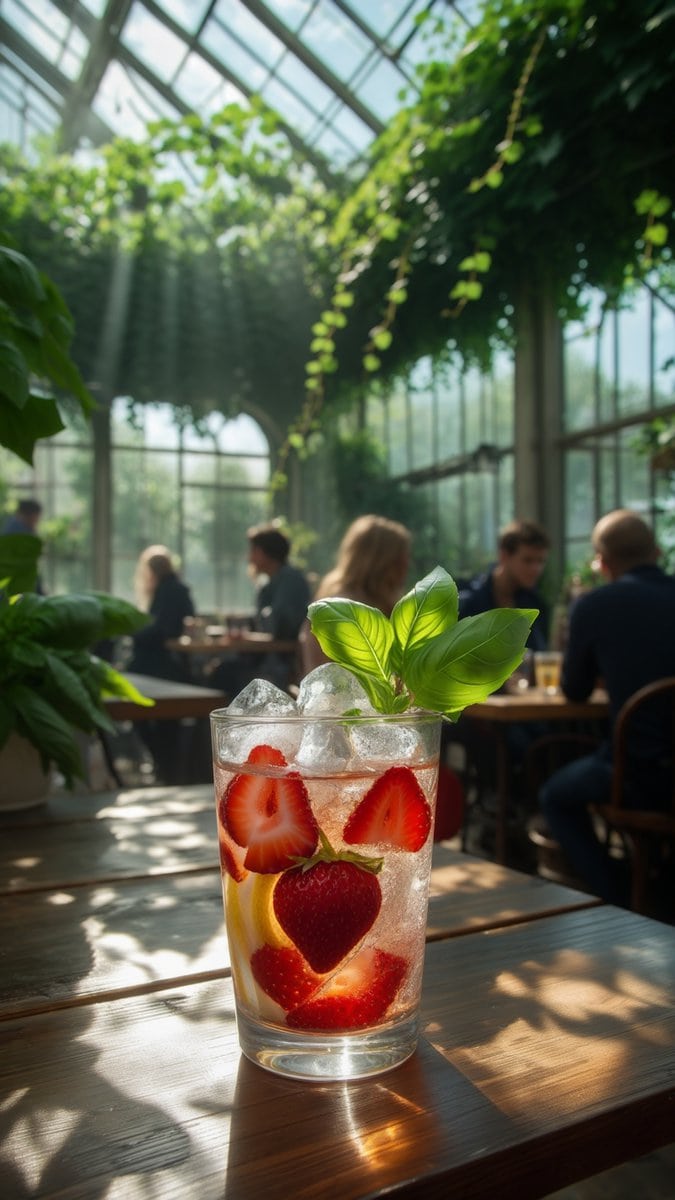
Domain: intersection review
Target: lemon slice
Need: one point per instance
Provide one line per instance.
(267, 930)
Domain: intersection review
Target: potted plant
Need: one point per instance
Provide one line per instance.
(52, 683)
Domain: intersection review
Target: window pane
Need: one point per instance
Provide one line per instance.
(579, 494)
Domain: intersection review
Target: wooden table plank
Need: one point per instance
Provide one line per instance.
(110, 848)
(134, 804)
(545, 1059)
(468, 894)
(77, 944)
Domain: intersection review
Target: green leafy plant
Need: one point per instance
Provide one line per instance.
(50, 681)
(36, 330)
(423, 655)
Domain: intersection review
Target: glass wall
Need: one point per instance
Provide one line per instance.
(195, 492)
(449, 432)
(619, 376)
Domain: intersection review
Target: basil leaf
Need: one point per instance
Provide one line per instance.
(469, 662)
(426, 611)
(361, 639)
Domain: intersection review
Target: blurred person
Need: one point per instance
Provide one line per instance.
(160, 592)
(511, 582)
(621, 634)
(371, 567)
(281, 607)
(25, 520)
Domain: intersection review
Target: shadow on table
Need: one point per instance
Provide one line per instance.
(572, 1014)
(60, 1139)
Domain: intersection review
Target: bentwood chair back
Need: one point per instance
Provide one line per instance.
(648, 833)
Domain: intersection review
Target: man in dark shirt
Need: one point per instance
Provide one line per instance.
(623, 635)
(512, 581)
(280, 611)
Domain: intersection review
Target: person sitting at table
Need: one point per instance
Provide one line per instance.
(623, 635)
(511, 582)
(160, 592)
(281, 607)
(371, 567)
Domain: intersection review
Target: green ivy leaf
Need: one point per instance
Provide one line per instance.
(383, 339)
(657, 234)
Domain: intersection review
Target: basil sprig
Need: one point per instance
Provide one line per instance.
(424, 655)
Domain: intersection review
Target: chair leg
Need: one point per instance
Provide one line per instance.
(639, 873)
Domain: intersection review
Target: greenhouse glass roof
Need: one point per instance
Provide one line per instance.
(81, 71)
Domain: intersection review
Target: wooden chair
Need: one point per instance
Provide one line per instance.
(647, 833)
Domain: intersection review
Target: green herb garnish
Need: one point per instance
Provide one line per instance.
(423, 655)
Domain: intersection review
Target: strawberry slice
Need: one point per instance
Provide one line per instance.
(355, 997)
(270, 816)
(326, 908)
(229, 861)
(394, 813)
(283, 974)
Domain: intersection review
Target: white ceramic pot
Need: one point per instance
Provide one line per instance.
(23, 782)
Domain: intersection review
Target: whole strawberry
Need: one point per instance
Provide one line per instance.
(328, 904)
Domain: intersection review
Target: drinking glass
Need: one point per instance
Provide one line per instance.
(547, 664)
(327, 958)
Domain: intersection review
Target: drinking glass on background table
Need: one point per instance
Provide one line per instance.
(547, 664)
(521, 679)
(326, 952)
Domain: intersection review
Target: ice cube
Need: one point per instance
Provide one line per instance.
(384, 741)
(262, 698)
(325, 748)
(330, 690)
(234, 740)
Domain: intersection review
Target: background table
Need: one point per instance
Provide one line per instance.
(548, 1050)
(500, 711)
(173, 700)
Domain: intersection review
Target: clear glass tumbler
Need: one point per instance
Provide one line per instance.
(325, 827)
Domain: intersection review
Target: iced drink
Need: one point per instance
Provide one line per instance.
(325, 831)
(547, 664)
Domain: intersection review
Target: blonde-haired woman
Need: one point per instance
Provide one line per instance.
(371, 566)
(160, 592)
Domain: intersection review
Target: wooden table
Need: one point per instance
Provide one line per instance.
(502, 710)
(173, 701)
(249, 643)
(548, 1047)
